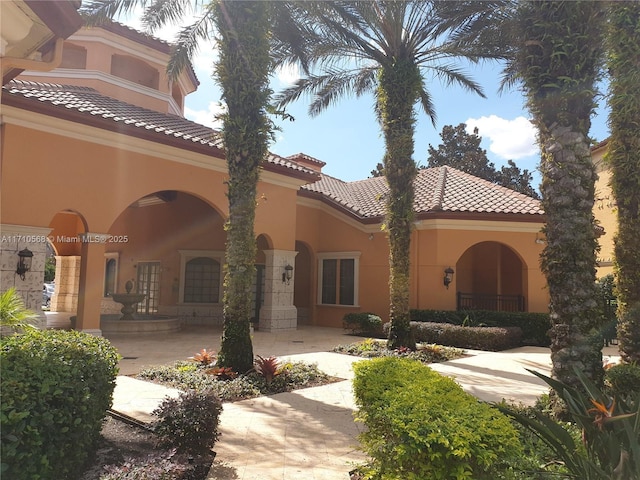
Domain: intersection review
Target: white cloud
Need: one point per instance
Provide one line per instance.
(508, 139)
(208, 117)
(288, 74)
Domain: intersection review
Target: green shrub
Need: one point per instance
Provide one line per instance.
(623, 380)
(189, 422)
(56, 389)
(534, 326)
(371, 348)
(363, 323)
(477, 338)
(422, 425)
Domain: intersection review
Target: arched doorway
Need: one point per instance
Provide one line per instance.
(491, 276)
(302, 290)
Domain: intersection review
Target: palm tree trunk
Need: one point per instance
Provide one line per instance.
(243, 72)
(568, 259)
(558, 61)
(396, 97)
(624, 158)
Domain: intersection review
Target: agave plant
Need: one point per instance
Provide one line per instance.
(610, 448)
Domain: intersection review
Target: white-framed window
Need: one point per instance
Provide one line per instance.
(200, 276)
(110, 273)
(338, 278)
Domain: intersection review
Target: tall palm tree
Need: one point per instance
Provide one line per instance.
(624, 158)
(389, 48)
(242, 31)
(558, 58)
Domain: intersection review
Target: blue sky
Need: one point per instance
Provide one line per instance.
(347, 136)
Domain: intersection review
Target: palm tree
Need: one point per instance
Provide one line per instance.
(243, 31)
(387, 48)
(624, 158)
(557, 60)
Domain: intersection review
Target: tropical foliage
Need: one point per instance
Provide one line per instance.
(624, 158)
(13, 313)
(558, 55)
(389, 49)
(610, 445)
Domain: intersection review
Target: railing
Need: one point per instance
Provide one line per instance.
(483, 301)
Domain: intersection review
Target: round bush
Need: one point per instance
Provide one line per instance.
(623, 380)
(56, 389)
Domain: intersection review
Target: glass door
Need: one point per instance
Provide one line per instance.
(148, 282)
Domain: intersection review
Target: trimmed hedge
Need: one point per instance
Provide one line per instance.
(421, 424)
(56, 389)
(363, 323)
(534, 326)
(492, 339)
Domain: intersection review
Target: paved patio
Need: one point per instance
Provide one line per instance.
(307, 434)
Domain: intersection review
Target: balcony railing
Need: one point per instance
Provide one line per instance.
(483, 301)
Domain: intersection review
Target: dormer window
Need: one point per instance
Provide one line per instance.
(74, 56)
(135, 71)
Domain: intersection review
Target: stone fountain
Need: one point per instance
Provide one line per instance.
(130, 324)
(127, 300)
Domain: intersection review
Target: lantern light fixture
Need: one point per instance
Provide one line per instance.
(25, 258)
(448, 276)
(287, 275)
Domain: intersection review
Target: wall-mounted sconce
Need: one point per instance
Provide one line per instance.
(24, 262)
(539, 241)
(448, 276)
(287, 274)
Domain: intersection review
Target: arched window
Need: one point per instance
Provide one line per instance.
(110, 276)
(202, 280)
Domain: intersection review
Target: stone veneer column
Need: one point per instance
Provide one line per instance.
(278, 311)
(65, 296)
(91, 283)
(14, 238)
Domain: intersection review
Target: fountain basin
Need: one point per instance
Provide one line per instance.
(113, 324)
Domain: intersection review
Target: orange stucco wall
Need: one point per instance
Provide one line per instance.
(605, 213)
(433, 250)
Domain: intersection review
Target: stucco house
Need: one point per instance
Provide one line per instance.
(99, 161)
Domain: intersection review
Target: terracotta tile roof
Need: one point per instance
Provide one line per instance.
(87, 105)
(439, 191)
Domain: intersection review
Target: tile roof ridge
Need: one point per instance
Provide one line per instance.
(29, 84)
(309, 158)
(440, 188)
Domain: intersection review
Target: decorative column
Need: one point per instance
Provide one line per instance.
(91, 283)
(14, 238)
(65, 296)
(278, 311)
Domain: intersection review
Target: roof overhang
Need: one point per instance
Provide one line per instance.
(29, 30)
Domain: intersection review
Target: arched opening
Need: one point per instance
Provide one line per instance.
(303, 288)
(257, 291)
(170, 246)
(491, 276)
(74, 56)
(135, 70)
(67, 229)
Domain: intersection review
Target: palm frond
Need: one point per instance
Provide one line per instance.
(97, 12)
(13, 313)
(187, 43)
(426, 102)
(163, 12)
(453, 75)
